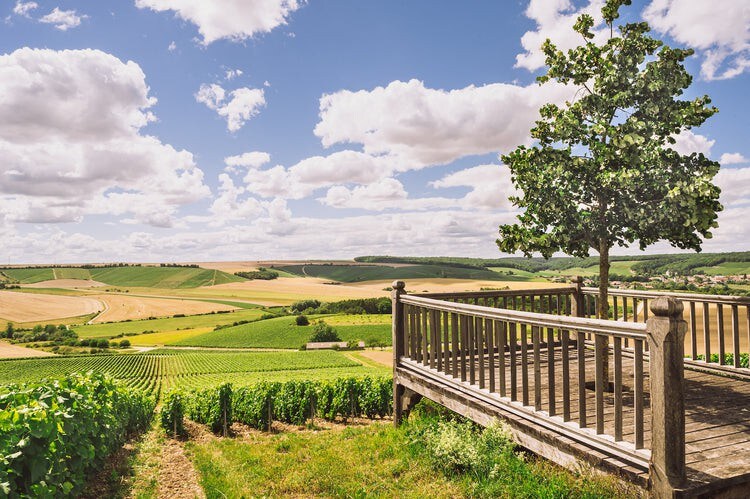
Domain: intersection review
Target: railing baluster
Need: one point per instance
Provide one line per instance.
(455, 346)
(513, 374)
(720, 327)
(418, 335)
(432, 340)
(464, 343)
(479, 328)
(736, 336)
(524, 366)
(638, 393)
(425, 336)
(615, 312)
(490, 337)
(438, 342)
(472, 344)
(693, 333)
(625, 308)
(535, 334)
(446, 344)
(645, 309)
(581, 347)
(617, 354)
(706, 333)
(551, 371)
(564, 345)
(599, 380)
(501, 343)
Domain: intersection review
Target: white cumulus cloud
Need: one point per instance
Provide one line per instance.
(23, 8)
(423, 126)
(72, 143)
(62, 19)
(733, 158)
(232, 19)
(237, 106)
(719, 30)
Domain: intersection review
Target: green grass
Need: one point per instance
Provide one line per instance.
(376, 460)
(282, 332)
(166, 324)
(136, 276)
(71, 273)
(726, 268)
(163, 368)
(359, 273)
(29, 276)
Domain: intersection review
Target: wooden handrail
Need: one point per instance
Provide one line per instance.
(633, 330)
(682, 295)
(499, 293)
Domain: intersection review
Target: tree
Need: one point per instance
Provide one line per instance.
(323, 332)
(603, 172)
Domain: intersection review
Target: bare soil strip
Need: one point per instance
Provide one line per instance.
(177, 476)
(8, 351)
(121, 307)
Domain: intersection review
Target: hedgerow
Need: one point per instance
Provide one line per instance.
(54, 432)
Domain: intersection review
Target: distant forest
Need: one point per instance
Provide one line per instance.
(682, 264)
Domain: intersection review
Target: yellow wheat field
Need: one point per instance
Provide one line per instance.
(28, 307)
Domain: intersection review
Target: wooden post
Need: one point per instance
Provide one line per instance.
(576, 299)
(666, 332)
(398, 347)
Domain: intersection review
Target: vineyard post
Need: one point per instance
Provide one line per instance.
(398, 346)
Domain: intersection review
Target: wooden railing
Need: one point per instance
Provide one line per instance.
(706, 315)
(525, 351)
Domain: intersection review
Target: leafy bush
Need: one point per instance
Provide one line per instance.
(324, 332)
(302, 320)
(295, 402)
(458, 446)
(261, 273)
(172, 414)
(54, 432)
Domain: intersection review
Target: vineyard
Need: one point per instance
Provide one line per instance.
(282, 332)
(163, 368)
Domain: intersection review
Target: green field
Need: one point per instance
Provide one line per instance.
(726, 268)
(165, 368)
(282, 332)
(136, 276)
(359, 273)
(113, 329)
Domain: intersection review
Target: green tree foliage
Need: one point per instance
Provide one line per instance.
(603, 172)
(302, 320)
(324, 332)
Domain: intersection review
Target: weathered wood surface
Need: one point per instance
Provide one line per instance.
(717, 411)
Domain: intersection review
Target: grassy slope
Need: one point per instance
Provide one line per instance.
(359, 273)
(376, 460)
(149, 277)
(167, 324)
(282, 332)
(727, 268)
(29, 276)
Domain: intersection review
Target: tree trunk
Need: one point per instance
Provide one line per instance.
(603, 304)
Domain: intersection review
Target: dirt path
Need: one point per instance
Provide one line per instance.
(177, 476)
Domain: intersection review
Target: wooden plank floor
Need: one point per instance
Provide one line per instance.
(717, 409)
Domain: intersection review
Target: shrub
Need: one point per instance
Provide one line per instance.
(125, 344)
(324, 332)
(302, 320)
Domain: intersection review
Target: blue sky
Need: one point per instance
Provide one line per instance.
(155, 130)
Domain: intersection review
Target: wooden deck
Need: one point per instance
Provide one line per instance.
(539, 372)
(717, 415)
